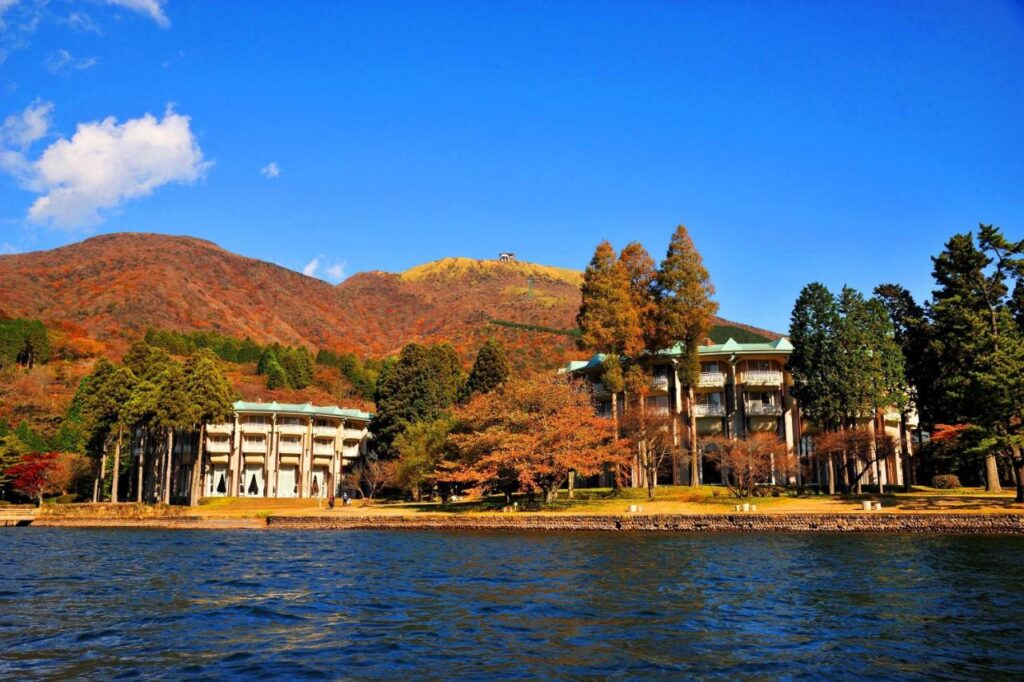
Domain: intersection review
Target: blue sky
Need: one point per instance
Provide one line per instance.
(832, 141)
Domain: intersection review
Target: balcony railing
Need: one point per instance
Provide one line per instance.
(351, 434)
(254, 427)
(659, 382)
(763, 409)
(286, 447)
(259, 446)
(291, 429)
(330, 431)
(709, 410)
(600, 388)
(219, 428)
(218, 445)
(323, 450)
(711, 379)
(761, 378)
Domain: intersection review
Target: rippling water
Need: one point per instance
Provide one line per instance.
(361, 604)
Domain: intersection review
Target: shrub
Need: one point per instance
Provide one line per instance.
(946, 481)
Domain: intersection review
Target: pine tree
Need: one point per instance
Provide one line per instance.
(490, 370)
(975, 341)
(422, 385)
(607, 319)
(210, 400)
(683, 296)
(814, 362)
(641, 275)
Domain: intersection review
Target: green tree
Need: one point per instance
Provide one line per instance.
(422, 385)
(421, 449)
(210, 399)
(975, 341)
(24, 342)
(684, 313)
(490, 370)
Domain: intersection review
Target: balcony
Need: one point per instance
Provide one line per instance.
(218, 445)
(292, 429)
(709, 410)
(659, 382)
(600, 388)
(761, 378)
(711, 380)
(219, 428)
(289, 447)
(254, 446)
(325, 431)
(323, 450)
(254, 427)
(758, 409)
(353, 434)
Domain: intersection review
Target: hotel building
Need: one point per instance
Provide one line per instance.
(743, 388)
(267, 450)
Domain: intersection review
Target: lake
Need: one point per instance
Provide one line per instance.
(442, 605)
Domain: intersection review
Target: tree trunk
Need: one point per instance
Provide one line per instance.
(992, 475)
(908, 468)
(692, 437)
(876, 465)
(117, 466)
(572, 483)
(1018, 468)
(142, 468)
(166, 492)
(198, 467)
(831, 468)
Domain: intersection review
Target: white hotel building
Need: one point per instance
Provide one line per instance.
(282, 450)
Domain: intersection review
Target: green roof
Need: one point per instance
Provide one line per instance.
(306, 409)
(780, 346)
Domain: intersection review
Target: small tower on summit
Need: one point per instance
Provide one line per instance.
(507, 257)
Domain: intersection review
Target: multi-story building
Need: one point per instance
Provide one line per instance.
(743, 388)
(283, 450)
(267, 450)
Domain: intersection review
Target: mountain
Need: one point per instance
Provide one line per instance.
(114, 286)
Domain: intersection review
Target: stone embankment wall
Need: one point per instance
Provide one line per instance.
(868, 522)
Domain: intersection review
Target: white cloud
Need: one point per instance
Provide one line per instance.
(270, 170)
(6, 5)
(153, 8)
(83, 23)
(22, 129)
(336, 272)
(103, 165)
(311, 267)
(62, 61)
(332, 273)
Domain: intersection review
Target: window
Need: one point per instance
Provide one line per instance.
(759, 366)
(763, 397)
(710, 367)
(714, 399)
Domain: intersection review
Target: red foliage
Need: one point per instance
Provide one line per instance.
(31, 475)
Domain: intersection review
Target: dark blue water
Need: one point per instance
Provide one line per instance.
(395, 605)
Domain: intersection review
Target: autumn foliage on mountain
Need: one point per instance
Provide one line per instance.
(107, 290)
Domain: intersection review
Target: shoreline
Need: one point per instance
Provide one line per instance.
(869, 522)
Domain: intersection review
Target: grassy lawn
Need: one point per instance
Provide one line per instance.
(668, 500)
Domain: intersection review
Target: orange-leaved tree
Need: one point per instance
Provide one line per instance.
(528, 435)
(745, 462)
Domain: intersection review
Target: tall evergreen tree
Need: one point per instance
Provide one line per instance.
(490, 370)
(974, 340)
(683, 296)
(421, 385)
(607, 318)
(211, 400)
(642, 276)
